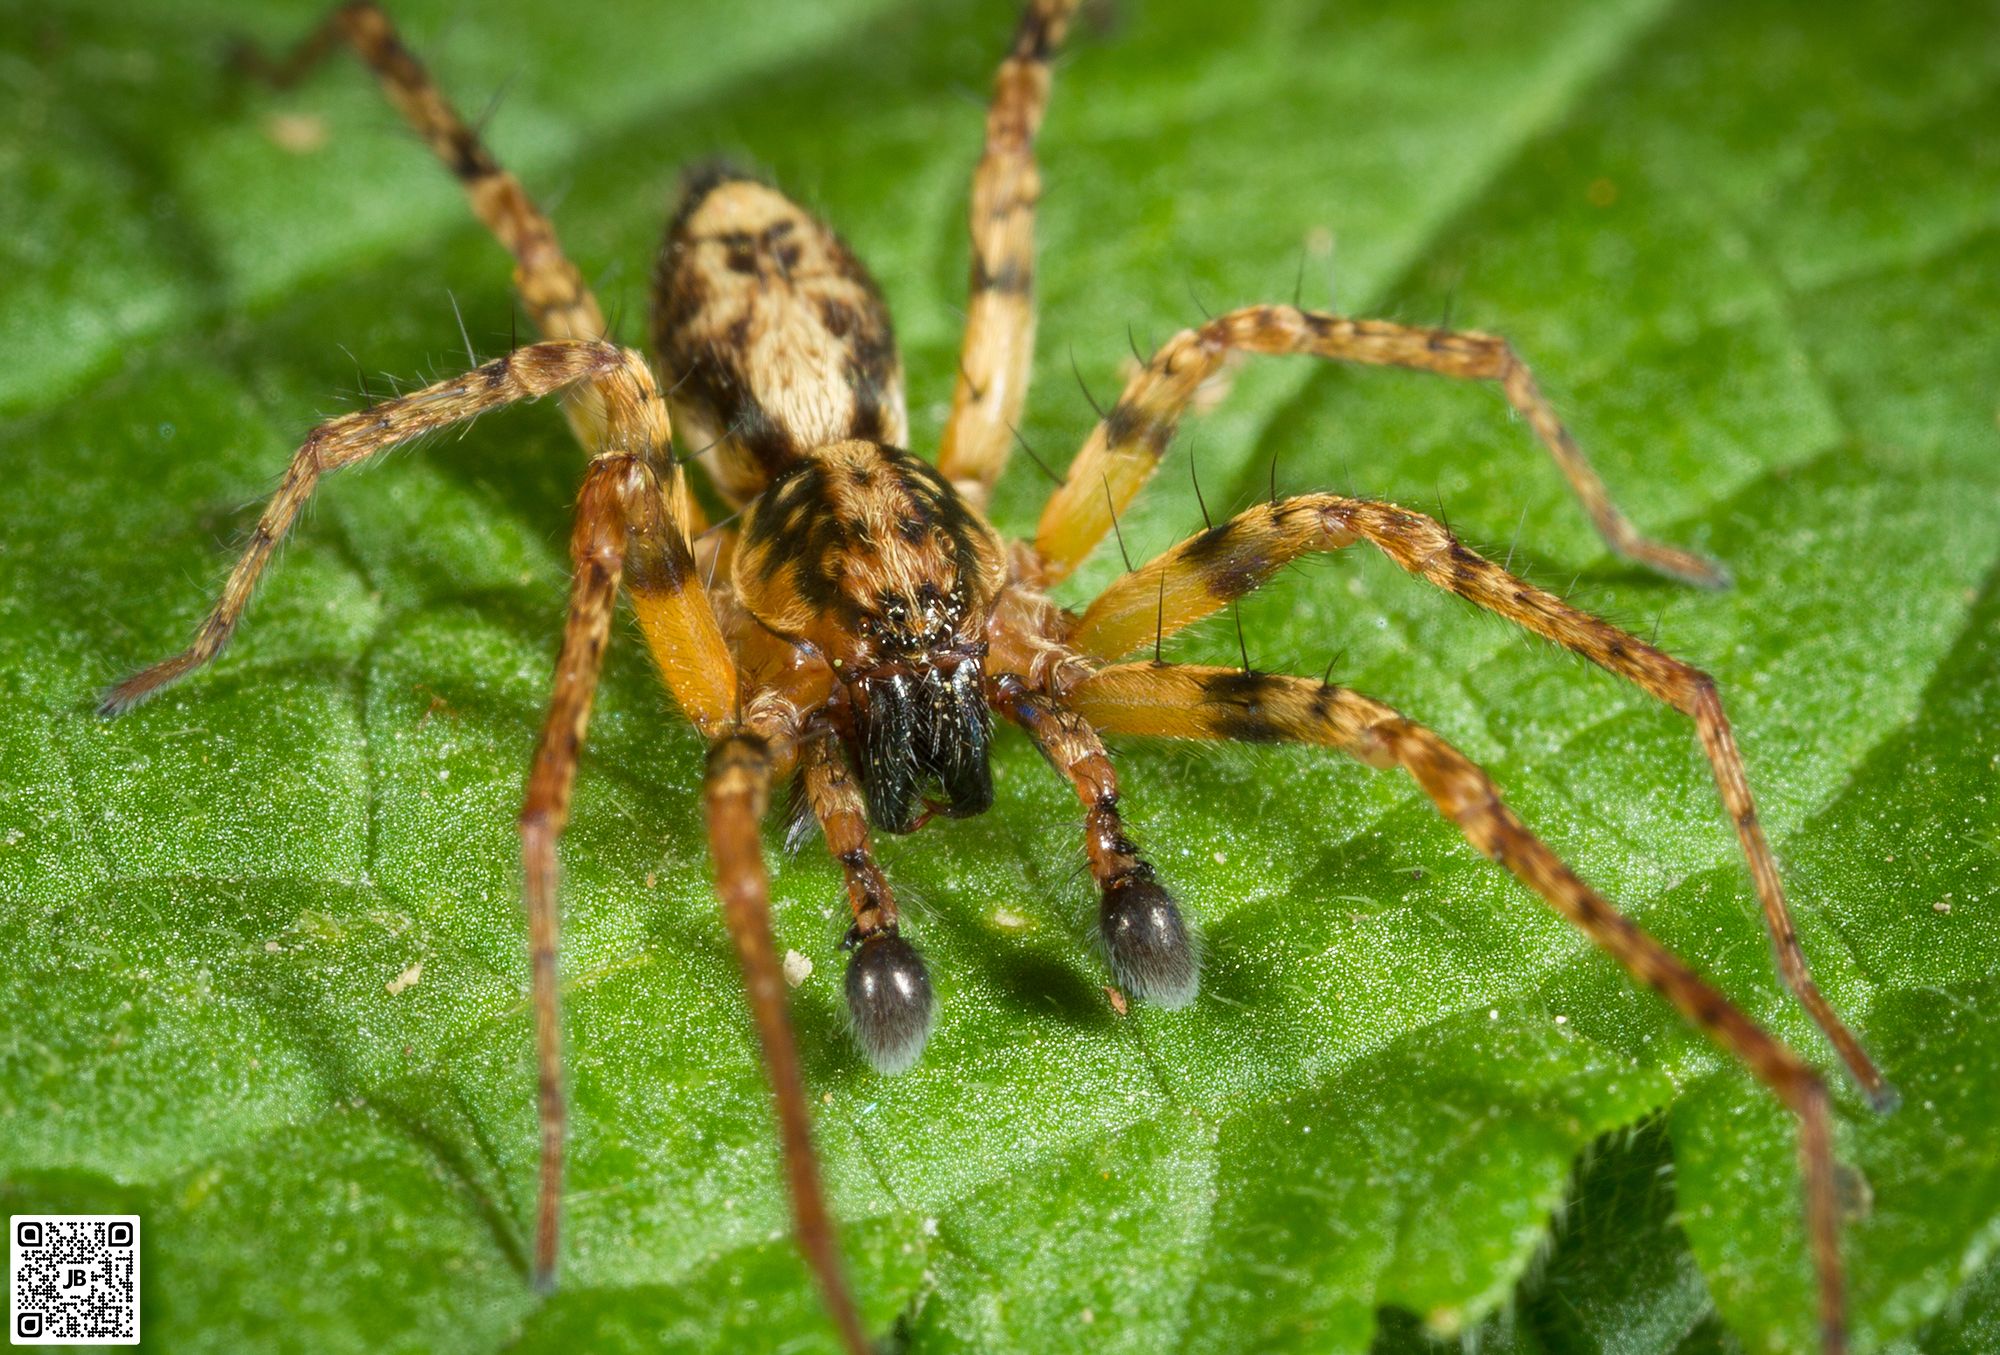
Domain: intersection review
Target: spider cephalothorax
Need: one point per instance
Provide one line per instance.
(785, 358)
(869, 556)
(859, 625)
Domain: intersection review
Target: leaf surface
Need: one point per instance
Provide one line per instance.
(1747, 255)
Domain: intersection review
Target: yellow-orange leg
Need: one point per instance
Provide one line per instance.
(1176, 701)
(622, 532)
(744, 757)
(1145, 939)
(740, 771)
(1204, 573)
(597, 552)
(842, 811)
(1127, 444)
(554, 292)
(997, 355)
(525, 374)
(623, 514)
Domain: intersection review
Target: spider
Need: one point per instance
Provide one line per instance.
(857, 623)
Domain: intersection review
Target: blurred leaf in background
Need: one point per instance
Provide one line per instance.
(1752, 253)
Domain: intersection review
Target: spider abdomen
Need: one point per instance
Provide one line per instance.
(772, 337)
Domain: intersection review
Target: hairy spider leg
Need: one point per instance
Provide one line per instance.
(890, 1001)
(1145, 939)
(1190, 702)
(736, 792)
(623, 533)
(528, 373)
(550, 286)
(1127, 443)
(1204, 573)
(996, 357)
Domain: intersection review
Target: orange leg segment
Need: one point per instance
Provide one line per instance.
(1177, 701)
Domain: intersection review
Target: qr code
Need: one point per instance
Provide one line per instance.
(74, 1279)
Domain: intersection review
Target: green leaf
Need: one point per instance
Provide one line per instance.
(1750, 254)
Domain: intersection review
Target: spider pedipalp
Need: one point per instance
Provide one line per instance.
(1147, 943)
(889, 1001)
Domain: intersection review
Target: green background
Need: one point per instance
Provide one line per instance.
(1751, 249)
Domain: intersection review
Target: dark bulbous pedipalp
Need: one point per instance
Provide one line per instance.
(890, 1001)
(1146, 942)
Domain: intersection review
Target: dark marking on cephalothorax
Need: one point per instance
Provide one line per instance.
(893, 559)
(944, 511)
(789, 508)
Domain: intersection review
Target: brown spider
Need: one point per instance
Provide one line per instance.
(860, 622)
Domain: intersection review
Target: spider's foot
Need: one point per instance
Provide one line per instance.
(1682, 566)
(1883, 1098)
(889, 1000)
(1146, 942)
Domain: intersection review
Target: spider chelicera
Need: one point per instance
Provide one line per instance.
(857, 622)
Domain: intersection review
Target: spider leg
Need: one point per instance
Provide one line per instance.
(626, 530)
(997, 355)
(549, 284)
(1127, 444)
(1205, 573)
(1145, 939)
(736, 792)
(529, 373)
(1185, 701)
(889, 996)
(598, 547)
